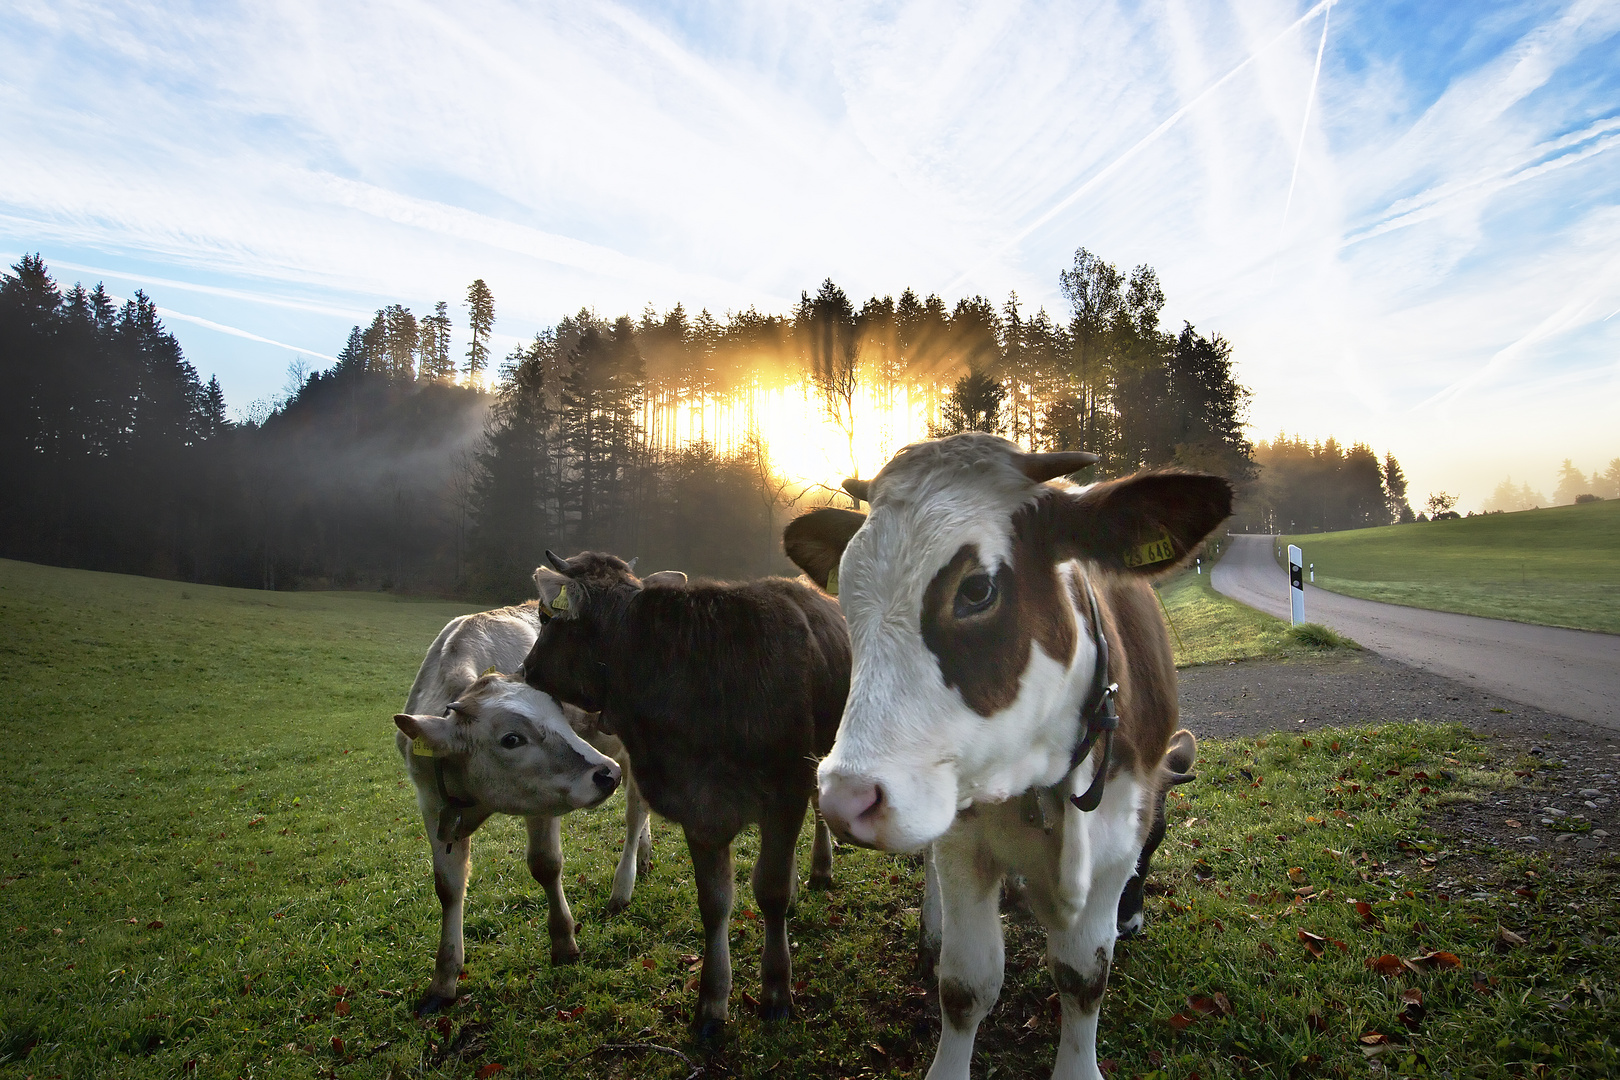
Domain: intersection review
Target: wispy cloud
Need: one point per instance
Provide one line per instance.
(1443, 175)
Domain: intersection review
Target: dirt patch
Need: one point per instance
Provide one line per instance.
(1567, 803)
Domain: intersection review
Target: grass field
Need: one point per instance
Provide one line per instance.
(1558, 566)
(1208, 628)
(216, 871)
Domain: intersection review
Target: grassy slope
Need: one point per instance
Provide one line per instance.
(222, 762)
(1208, 628)
(1559, 566)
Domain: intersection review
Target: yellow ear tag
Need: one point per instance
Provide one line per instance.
(420, 748)
(491, 670)
(561, 602)
(832, 582)
(1154, 551)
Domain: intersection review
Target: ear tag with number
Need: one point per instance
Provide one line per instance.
(1154, 551)
(832, 582)
(420, 747)
(561, 601)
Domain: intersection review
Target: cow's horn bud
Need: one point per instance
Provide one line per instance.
(860, 489)
(1043, 467)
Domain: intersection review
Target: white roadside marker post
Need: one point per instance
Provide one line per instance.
(1313, 573)
(1296, 585)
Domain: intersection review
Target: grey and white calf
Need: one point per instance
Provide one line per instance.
(982, 602)
(480, 745)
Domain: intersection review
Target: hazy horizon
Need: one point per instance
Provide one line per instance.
(1410, 242)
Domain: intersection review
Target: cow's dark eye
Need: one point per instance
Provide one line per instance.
(976, 593)
(512, 740)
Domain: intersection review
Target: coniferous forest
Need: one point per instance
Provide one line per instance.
(674, 437)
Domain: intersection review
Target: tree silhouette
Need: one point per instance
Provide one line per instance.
(826, 326)
(481, 319)
(973, 404)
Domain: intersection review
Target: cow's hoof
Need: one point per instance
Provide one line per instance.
(565, 954)
(776, 1012)
(710, 1031)
(615, 905)
(821, 882)
(433, 1003)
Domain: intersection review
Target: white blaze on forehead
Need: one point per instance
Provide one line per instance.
(903, 726)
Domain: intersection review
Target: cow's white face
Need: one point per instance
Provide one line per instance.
(509, 748)
(963, 593)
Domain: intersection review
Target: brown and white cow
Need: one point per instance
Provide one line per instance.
(476, 745)
(979, 599)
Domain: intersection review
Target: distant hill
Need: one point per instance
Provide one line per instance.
(1559, 566)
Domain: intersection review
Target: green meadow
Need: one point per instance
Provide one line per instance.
(1559, 566)
(217, 870)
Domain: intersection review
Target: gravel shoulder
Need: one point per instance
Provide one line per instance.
(1571, 767)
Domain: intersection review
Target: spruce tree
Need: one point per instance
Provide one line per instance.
(481, 318)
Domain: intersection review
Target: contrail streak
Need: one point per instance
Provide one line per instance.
(1310, 99)
(1169, 122)
(198, 320)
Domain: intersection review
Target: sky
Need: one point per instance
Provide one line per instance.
(1404, 216)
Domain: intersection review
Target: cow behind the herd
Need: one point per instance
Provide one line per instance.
(725, 695)
(991, 614)
(504, 748)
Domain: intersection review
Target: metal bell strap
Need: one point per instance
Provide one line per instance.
(1101, 714)
(450, 813)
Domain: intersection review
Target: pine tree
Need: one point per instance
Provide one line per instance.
(374, 344)
(400, 335)
(1395, 504)
(973, 404)
(481, 318)
(827, 332)
(211, 409)
(1571, 483)
(351, 359)
(433, 344)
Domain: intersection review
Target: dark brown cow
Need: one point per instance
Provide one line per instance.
(725, 695)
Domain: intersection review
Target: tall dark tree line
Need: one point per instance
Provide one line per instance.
(1324, 487)
(638, 436)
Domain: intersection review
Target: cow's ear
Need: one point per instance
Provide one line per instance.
(665, 577)
(431, 736)
(1144, 524)
(815, 541)
(553, 594)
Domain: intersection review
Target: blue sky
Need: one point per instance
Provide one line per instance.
(1415, 244)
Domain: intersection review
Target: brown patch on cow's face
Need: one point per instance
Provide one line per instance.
(956, 1001)
(1085, 993)
(980, 625)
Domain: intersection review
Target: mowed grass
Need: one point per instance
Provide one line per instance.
(1558, 566)
(215, 869)
(1208, 628)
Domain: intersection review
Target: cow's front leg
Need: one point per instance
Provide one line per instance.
(928, 926)
(713, 873)
(545, 863)
(775, 881)
(1080, 958)
(637, 853)
(971, 959)
(450, 868)
(821, 855)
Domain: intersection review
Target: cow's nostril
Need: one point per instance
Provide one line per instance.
(604, 779)
(877, 801)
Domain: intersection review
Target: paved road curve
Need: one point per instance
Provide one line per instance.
(1571, 672)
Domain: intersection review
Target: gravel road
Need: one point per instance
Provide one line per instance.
(1571, 673)
(1574, 767)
